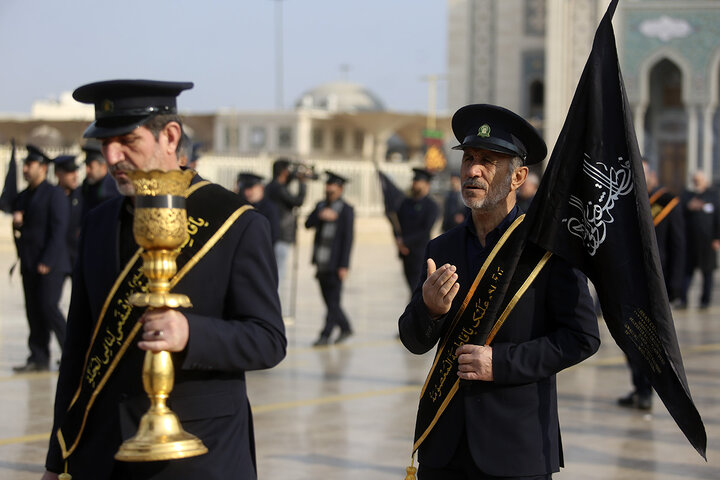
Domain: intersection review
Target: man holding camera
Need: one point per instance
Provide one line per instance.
(278, 192)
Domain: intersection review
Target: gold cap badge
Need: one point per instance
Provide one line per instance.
(107, 106)
(484, 131)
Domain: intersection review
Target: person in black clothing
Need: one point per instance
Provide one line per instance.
(416, 217)
(285, 203)
(526, 192)
(454, 210)
(67, 176)
(233, 326)
(670, 232)
(702, 226)
(188, 152)
(252, 190)
(98, 185)
(40, 219)
(502, 420)
(332, 220)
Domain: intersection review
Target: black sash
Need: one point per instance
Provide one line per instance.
(208, 219)
(661, 204)
(504, 277)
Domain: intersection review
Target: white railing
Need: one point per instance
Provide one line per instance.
(363, 191)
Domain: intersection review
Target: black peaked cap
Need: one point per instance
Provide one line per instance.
(123, 105)
(499, 130)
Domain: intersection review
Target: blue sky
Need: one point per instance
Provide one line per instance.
(226, 47)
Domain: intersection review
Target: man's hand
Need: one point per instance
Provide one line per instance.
(695, 204)
(49, 476)
(404, 250)
(475, 362)
(716, 245)
(439, 288)
(43, 269)
(342, 273)
(17, 218)
(327, 214)
(164, 329)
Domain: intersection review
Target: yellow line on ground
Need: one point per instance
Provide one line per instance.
(710, 347)
(605, 362)
(344, 346)
(272, 407)
(29, 376)
(25, 439)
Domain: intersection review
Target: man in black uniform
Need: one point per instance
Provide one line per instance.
(228, 271)
(67, 176)
(285, 202)
(416, 217)
(40, 219)
(670, 233)
(251, 189)
(98, 185)
(701, 208)
(454, 210)
(333, 220)
(500, 419)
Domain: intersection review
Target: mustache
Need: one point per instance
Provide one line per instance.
(475, 182)
(121, 167)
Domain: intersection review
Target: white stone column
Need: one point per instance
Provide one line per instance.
(692, 142)
(708, 137)
(639, 123)
(368, 146)
(303, 135)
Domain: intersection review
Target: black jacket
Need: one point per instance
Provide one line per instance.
(701, 228)
(512, 422)
(46, 214)
(285, 203)
(94, 194)
(670, 234)
(235, 326)
(416, 218)
(343, 239)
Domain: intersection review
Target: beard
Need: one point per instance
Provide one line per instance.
(123, 182)
(493, 196)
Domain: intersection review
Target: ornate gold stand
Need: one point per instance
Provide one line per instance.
(160, 227)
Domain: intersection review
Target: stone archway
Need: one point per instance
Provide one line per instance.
(711, 119)
(666, 124)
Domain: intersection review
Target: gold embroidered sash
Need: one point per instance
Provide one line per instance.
(507, 273)
(208, 220)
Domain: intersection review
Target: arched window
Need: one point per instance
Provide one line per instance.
(536, 99)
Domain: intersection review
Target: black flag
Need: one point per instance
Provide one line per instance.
(592, 209)
(392, 198)
(10, 190)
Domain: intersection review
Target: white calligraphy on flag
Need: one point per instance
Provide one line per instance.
(596, 213)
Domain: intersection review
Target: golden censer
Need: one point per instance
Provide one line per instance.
(160, 228)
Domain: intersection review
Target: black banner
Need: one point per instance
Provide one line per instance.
(117, 327)
(10, 189)
(506, 274)
(592, 209)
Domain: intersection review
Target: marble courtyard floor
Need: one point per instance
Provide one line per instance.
(347, 411)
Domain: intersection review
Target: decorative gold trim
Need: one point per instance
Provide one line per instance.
(192, 189)
(471, 292)
(501, 320)
(209, 244)
(665, 211)
(108, 299)
(440, 411)
(521, 291)
(67, 452)
(658, 193)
